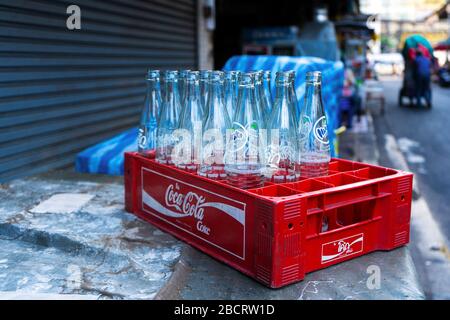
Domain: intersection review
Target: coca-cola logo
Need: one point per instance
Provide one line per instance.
(188, 204)
(197, 212)
(342, 248)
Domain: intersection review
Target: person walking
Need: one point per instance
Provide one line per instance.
(422, 78)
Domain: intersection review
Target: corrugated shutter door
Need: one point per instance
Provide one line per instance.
(63, 90)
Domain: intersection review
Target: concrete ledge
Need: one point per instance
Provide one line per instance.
(197, 276)
(99, 251)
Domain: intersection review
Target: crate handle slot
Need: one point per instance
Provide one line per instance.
(348, 215)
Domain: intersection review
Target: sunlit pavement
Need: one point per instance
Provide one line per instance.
(66, 236)
(418, 137)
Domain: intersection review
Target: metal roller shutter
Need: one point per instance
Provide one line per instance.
(63, 90)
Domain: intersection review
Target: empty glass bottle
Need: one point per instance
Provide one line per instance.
(168, 119)
(267, 93)
(204, 87)
(182, 74)
(313, 133)
(230, 92)
(215, 127)
(260, 96)
(243, 160)
(292, 92)
(282, 150)
(189, 131)
(236, 86)
(149, 115)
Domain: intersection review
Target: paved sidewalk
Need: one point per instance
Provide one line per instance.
(67, 247)
(66, 235)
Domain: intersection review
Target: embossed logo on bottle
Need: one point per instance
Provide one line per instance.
(305, 127)
(320, 130)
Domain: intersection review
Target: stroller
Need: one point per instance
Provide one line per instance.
(409, 86)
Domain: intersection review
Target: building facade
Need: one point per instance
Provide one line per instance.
(72, 72)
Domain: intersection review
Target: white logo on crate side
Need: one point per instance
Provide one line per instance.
(189, 204)
(195, 210)
(342, 248)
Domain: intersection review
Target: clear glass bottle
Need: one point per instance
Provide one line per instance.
(149, 116)
(215, 127)
(313, 132)
(204, 86)
(267, 92)
(260, 96)
(168, 119)
(293, 93)
(236, 85)
(244, 166)
(230, 92)
(182, 74)
(190, 126)
(282, 150)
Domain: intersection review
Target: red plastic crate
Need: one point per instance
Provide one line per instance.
(275, 233)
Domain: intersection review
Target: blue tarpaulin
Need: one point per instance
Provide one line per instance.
(107, 157)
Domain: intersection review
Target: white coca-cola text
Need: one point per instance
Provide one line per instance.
(189, 203)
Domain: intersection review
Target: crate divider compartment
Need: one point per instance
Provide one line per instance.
(340, 179)
(372, 172)
(308, 185)
(344, 165)
(275, 190)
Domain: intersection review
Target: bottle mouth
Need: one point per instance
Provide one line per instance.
(153, 74)
(314, 77)
(258, 74)
(192, 76)
(205, 74)
(216, 76)
(231, 75)
(291, 75)
(171, 75)
(247, 79)
(266, 75)
(183, 73)
(283, 77)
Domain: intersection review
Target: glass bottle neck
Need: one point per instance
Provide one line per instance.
(313, 93)
(215, 89)
(171, 89)
(229, 89)
(266, 84)
(153, 89)
(153, 84)
(192, 89)
(282, 90)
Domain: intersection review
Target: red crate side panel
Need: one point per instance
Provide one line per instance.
(356, 222)
(401, 216)
(331, 247)
(129, 177)
(289, 253)
(264, 241)
(203, 214)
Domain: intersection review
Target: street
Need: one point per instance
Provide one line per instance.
(421, 137)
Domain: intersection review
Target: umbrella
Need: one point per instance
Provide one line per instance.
(415, 41)
(443, 45)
